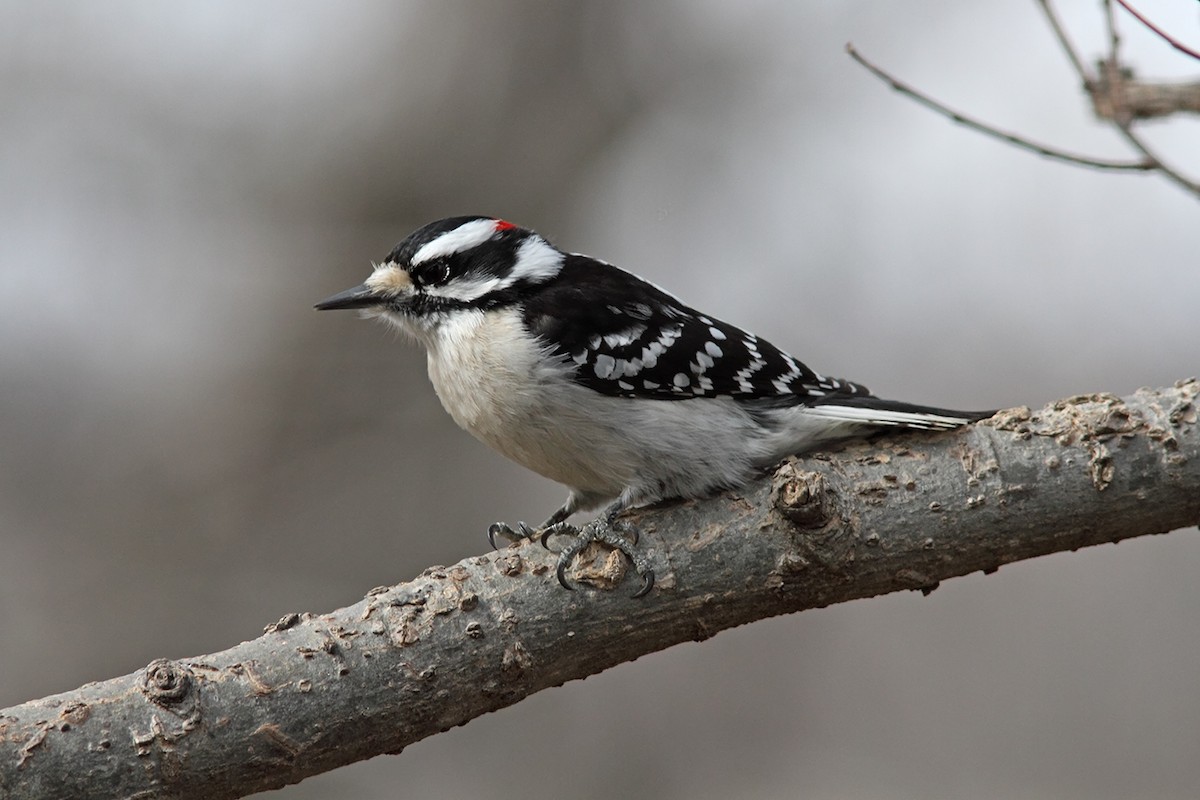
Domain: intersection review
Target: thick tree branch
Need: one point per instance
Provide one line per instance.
(904, 512)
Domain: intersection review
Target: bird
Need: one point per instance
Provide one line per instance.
(602, 381)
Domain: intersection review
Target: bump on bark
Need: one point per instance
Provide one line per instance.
(803, 497)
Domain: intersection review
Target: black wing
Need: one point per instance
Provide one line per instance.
(628, 338)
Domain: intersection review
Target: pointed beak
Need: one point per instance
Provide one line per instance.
(361, 296)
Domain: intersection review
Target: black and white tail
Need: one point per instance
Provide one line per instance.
(869, 410)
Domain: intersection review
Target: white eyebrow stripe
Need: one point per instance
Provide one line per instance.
(464, 237)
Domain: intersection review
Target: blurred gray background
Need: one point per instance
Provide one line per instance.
(188, 451)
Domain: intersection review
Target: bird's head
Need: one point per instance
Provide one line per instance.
(452, 265)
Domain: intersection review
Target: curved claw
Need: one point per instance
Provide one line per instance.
(647, 584)
(558, 527)
(493, 529)
(561, 571)
(523, 531)
(568, 553)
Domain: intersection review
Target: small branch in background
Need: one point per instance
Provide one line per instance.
(990, 130)
(1114, 35)
(1117, 97)
(1166, 37)
(1111, 92)
(1073, 56)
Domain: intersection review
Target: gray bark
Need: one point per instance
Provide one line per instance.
(901, 512)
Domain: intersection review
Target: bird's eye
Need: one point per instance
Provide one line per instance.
(433, 273)
(436, 272)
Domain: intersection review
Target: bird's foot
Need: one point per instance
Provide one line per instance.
(607, 531)
(503, 529)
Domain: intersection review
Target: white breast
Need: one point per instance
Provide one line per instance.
(479, 365)
(496, 383)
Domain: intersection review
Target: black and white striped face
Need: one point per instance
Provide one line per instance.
(453, 264)
(465, 261)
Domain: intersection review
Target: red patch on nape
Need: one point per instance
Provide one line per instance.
(503, 225)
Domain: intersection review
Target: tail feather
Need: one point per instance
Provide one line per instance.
(870, 410)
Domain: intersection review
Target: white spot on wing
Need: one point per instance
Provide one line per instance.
(625, 337)
(669, 335)
(712, 349)
(604, 366)
(743, 375)
(681, 380)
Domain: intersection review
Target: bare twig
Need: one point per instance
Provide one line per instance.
(1112, 82)
(1114, 35)
(1178, 45)
(1073, 56)
(990, 130)
(1109, 92)
(901, 513)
